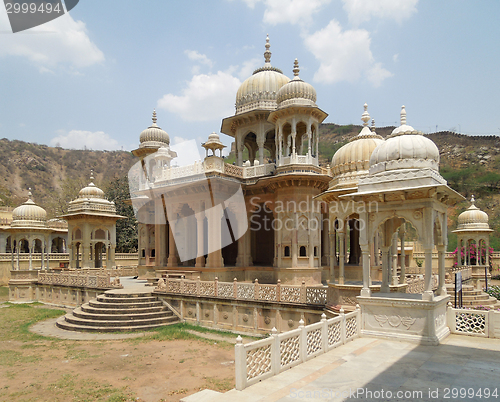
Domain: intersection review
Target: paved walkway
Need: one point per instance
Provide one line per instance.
(366, 367)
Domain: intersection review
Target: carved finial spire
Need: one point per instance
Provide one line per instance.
(267, 53)
(154, 116)
(365, 117)
(373, 125)
(403, 115)
(472, 199)
(91, 174)
(296, 68)
(29, 193)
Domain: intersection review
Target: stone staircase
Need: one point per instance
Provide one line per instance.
(472, 297)
(118, 311)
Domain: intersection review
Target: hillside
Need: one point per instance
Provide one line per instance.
(55, 175)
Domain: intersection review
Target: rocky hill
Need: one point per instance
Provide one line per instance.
(55, 175)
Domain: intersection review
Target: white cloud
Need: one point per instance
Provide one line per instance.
(60, 41)
(198, 57)
(206, 97)
(78, 139)
(360, 11)
(344, 55)
(289, 11)
(395, 58)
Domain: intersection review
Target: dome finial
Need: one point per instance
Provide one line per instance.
(296, 68)
(403, 115)
(267, 53)
(30, 194)
(91, 174)
(365, 117)
(373, 125)
(472, 200)
(154, 116)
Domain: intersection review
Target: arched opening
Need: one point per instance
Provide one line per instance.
(8, 245)
(302, 251)
(77, 234)
(229, 252)
(99, 250)
(24, 246)
(287, 251)
(37, 246)
(57, 245)
(77, 254)
(262, 236)
(100, 234)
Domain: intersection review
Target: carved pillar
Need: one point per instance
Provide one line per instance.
(172, 258)
(394, 264)
(428, 294)
(441, 270)
(332, 259)
(200, 224)
(402, 278)
(214, 238)
(31, 254)
(341, 258)
(295, 246)
(365, 259)
(260, 143)
(385, 270)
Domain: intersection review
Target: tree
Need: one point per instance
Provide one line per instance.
(126, 229)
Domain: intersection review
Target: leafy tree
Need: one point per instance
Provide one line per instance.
(126, 229)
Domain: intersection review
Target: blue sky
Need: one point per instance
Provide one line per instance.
(93, 77)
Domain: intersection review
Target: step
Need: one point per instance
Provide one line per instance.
(63, 324)
(124, 306)
(112, 293)
(139, 310)
(120, 317)
(126, 300)
(115, 323)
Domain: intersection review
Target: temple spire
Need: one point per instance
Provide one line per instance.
(365, 117)
(267, 53)
(296, 68)
(154, 116)
(403, 115)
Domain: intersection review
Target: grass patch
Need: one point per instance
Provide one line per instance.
(179, 331)
(4, 293)
(10, 358)
(17, 318)
(86, 390)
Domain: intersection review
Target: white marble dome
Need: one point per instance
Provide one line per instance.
(154, 136)
(353, 159)
(296, 91)
(29, 215)
(405, 148)
(260, 90)
(473, 218)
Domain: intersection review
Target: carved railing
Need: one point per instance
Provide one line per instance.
(265, 358)
(98, 279)
(298, 294)
(485, 323)
(417, 285)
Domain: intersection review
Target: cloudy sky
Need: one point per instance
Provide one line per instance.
(93, 77)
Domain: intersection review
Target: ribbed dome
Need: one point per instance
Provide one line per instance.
(473, 218)
(296, 91)
(260, 90)
(405, 148)
(91, 191)
(29, 215)
(354, 158)
(154, 136)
